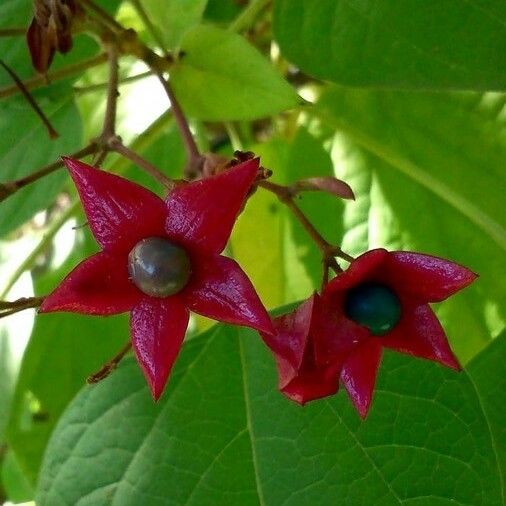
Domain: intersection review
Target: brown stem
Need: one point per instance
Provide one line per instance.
(100, 157)
(328, 251)
(195, 159)
(9, 188)
(53, 134)
(109, 127)
(38, 81)
(8, 308)
(115, 144)
(109, 366)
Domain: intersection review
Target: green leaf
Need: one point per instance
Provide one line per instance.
(222, 434)
(490, 383)
(15, 483)
(63, 350)
(263, 222)
(173, 18)
(14, 51)
(222, 11)
(449, 44)
(426, 170)
(222, 77)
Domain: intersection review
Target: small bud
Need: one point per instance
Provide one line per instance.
(51, 30)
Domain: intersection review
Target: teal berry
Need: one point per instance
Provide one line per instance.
(158, 267)
(374, 306)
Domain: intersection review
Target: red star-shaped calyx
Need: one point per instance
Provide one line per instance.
(300, 334)
(380, 301)
(160, 260)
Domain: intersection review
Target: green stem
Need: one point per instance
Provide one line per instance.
(12, 32)
(234, 136)
(248, 15)
(38, 81)
(148, 23)
(92, 88)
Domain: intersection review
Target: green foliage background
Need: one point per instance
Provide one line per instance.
(403, 100)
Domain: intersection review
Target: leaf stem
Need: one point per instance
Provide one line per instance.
(100, 86)
(116, 145)
(148, 23)
(8, 308)
(328, 251)
(195, 159)
(38, 81)
(12, 32)
(248, 15)
(109, 128)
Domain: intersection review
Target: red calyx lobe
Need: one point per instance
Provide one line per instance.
(199, 218)
(416, 279)
(304, 371)
(310, 356)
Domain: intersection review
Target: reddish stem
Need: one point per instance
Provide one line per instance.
(53, 134)
(109, 366)
(9, 188)
(8, 308)
(328, 251)
(195, 159)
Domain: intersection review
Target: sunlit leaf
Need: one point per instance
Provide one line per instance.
(221, 76)
(430, 186)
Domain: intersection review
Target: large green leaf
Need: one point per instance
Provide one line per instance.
(486, 372)
(173, 18)
(221, 76)
(222, 434)
(449, 44)
(427, 171)
(64, 349)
